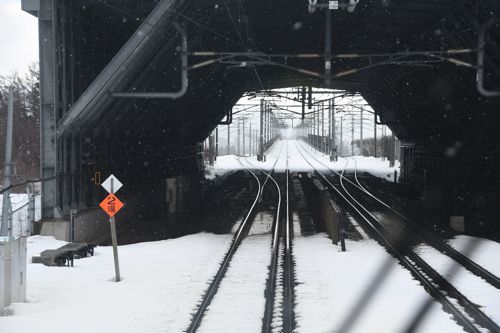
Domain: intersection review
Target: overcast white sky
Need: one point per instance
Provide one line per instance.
(18, 37)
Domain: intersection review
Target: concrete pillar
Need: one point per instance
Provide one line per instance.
(361, 134)
(75, 170)
(48, 106)
(13, 259)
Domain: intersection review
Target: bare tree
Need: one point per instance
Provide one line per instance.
(26, 135)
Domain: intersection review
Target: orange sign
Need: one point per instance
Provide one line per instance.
(111, 205)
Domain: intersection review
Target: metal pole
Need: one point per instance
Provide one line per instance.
(361, 134)
(216, 143)
(375, 137)
(6, 228)
(352, 134)
(250, 141)
(228, 138)
(261, 148)
(322, 142)
(328, 47)
(341, 134)
(238, 138)
(243, 136)
(114, 240)
(329, 141)
(317, 128)
(333, 131)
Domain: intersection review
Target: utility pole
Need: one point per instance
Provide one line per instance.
(322, 144)
(341, 134)
(228, 138)
(250, 141)
(317, 128)
(6, 228)
(328, 47)
(361, 134)
(261, 146)
(334, 147)
(352, 134)
(238, 133)
(329, 141)
(243, 136)
(216, 143)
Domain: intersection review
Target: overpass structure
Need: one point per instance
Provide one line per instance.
(131, 87)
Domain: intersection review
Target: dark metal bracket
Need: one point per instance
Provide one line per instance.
(481, 44)
(229, 118)
(184, 75)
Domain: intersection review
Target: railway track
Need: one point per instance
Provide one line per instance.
(283, 320)
(468, 314)
(434, 241)
(416, 231)
(210, 293)
(281, 224)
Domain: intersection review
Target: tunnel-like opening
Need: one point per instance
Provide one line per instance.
(407, 60)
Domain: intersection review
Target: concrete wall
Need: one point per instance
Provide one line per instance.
(329, 213)
(59, 229)
(13, 261)
(91, 226)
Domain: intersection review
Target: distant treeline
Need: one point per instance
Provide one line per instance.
(26, 134)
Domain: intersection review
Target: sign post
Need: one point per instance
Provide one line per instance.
(111, 205)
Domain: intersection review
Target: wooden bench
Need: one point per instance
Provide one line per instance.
(65, 255)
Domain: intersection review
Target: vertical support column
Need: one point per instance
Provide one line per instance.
(361, 134)
(228, 139)
(216, 143)
(238, 139)
(75, 150)
(393, 151)
(375, 136)
(322, 142)
(316, 130)
(352, 134)
(334, 147)
(48, 155)
(328, 47)
(211, 149)
(341, 135)
(6, 223)
(243, 136)
(66, 171)
(261, 144)
(329, 140)
(250, 140)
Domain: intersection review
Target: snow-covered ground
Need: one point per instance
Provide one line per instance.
(163, 281)
(293, 150)
(331, 283)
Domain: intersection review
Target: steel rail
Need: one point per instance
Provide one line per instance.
(214, 285)
(237, 239)
(288, 271)
(270, 291)
(282, 226)
(437, 243)
(420, 265)
(414, 263)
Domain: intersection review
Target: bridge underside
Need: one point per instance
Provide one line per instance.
(91, 49)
